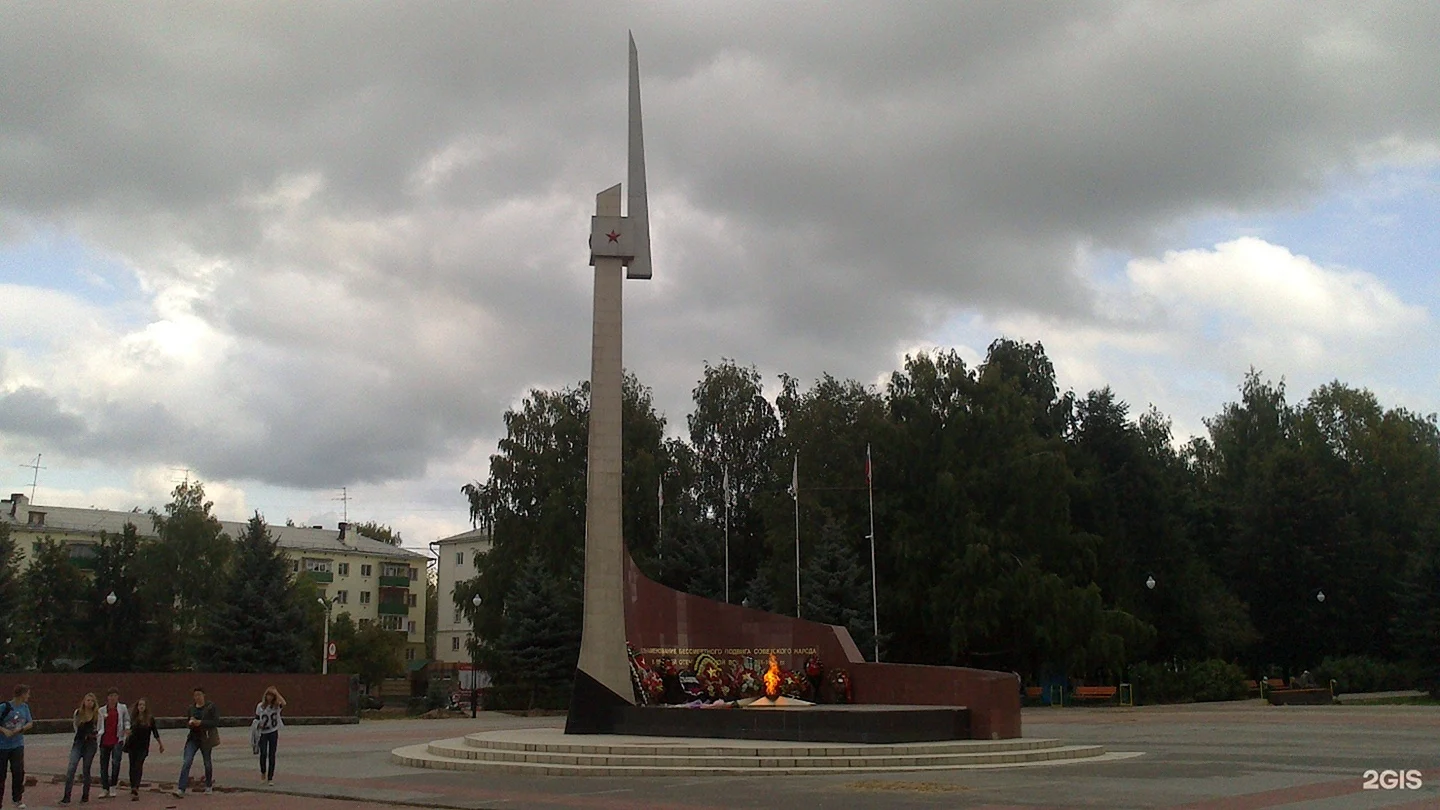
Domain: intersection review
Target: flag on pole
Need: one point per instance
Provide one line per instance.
(795, 479)
(660, 494)
(725, 486)
(867, 465)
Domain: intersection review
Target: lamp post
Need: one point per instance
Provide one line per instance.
(111, 599)
(1150, 582)
(325, 646)
(475, 657)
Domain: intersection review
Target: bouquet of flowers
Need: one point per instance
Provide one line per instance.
(714, 680)
(747, 682)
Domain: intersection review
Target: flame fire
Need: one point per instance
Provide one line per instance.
(772, 679)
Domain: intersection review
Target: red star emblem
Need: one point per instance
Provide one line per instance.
(613, 236)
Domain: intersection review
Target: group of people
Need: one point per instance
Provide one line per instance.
(112, 728)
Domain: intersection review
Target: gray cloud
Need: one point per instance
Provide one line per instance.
(383, 207)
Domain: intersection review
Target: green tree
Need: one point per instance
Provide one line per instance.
(735, 433)
(10, 599)
(835, 589)
(193, 555)
(1417, 622)
(377, 654)
(540, 641)
(52, 588)
(377, 531)
(259, 624)
(113, 628)
(432, 613)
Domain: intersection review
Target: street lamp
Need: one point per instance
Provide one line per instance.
(1319, 595)
(1150, 582)
(325, 647)
(475, 657)
(111, 599)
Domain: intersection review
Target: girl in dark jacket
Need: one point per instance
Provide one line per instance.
(83, 746)
(137, 745)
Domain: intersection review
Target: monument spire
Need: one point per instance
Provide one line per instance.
(602, 675)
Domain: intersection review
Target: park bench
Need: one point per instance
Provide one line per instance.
(1094, 693)
(1034, 692)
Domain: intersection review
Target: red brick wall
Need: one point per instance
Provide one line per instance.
(54, 695)
(667, 623)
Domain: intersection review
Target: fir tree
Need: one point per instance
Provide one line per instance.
(9, 599)
(51, 588)
(540, 642)
(259, 624)
(834, 588)
(113, 629)
(1417, 624)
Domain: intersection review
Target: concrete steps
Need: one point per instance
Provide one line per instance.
(550, 752)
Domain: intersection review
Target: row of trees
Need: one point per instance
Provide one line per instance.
(191, 598)
(1017, 524)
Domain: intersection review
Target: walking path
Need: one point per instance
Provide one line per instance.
(1198, 757)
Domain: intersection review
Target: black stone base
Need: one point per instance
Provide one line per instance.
(824, 723)
(593, 707)
(1300, 697)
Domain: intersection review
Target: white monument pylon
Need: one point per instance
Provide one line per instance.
(602, 677)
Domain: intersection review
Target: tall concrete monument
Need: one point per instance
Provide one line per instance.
(602, 677)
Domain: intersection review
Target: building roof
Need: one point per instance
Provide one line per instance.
(292, 538)
(465, 537)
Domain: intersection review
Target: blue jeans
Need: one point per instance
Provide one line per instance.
(109, 766)
(80, 752)
(268, 743)
(191, 746)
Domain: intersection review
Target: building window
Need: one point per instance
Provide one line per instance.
(410, 627)
(342, 597)
(37, 518)
(392, 622)
(365, 570)
(455, 644)
(317, 566)
(413, 603)
(414, 574)
(364, 597)
(392, 570)
(295, 566)
(459, 558)
(344, 569)
(457, 615)
(364, 622)
(409, 653)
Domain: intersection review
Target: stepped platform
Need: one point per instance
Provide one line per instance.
(806, 723)
(550, 752)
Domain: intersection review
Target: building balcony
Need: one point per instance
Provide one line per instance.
(401, 581)
(393, 609)
(320, 576)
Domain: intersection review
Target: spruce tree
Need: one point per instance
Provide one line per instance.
(540, 642)
(834, 588)
(1417, 624)
(259, 624)
(50, 588)
(9, 599)
(114, 629)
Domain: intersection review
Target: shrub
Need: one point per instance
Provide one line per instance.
(1358, 673)
(1158, 683)
(1216, 680)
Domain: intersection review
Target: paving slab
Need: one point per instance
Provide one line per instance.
(1197, 757)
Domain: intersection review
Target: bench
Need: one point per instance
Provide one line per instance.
(1094, 693)
(1034, 692)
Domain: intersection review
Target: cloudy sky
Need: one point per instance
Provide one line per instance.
(295, 247)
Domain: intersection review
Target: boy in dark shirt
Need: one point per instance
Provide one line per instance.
(204, 724)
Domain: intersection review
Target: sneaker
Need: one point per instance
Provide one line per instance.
(64, 801)
(209, 790)
(271, 783)
(179, 793)
(134, 797)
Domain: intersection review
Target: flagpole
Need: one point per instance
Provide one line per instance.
(725, 493)
(874, 588)
(795, 492)
(660, 524)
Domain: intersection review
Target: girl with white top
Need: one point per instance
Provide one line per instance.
(268, 725)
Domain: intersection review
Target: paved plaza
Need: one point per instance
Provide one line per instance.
(1201, 757)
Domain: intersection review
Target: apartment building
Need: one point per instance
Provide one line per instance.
(370, 580)
(455, 562)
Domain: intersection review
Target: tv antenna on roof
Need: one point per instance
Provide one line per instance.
(34, 479)
(344, 504)
(185, 470)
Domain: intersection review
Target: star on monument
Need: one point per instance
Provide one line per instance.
(614, 236)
